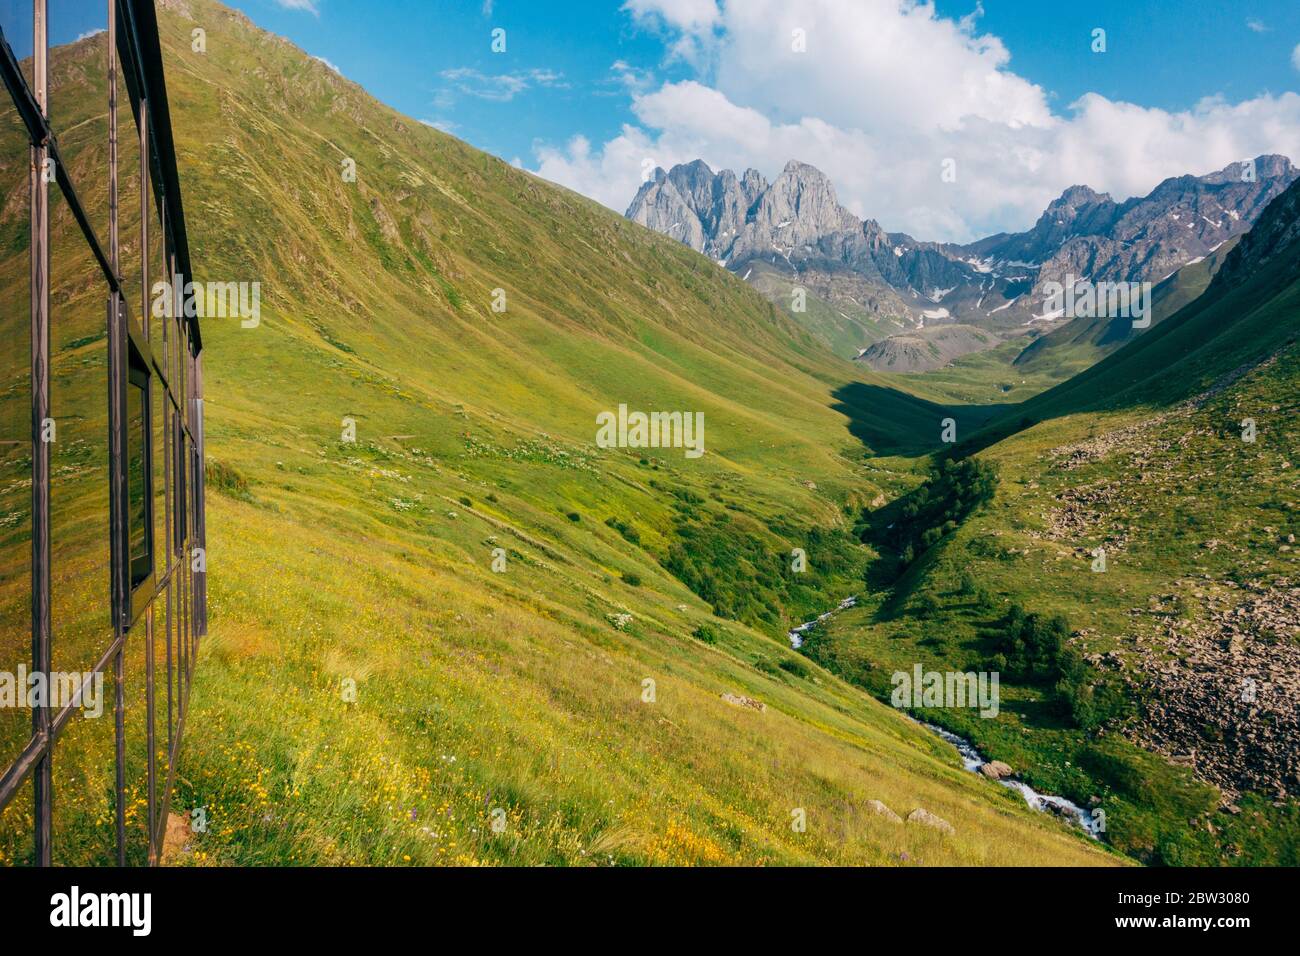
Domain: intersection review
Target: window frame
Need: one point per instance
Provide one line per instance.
(141, 372)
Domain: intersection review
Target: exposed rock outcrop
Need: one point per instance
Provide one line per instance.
(925, 818)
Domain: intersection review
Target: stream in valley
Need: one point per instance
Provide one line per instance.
(971, 758)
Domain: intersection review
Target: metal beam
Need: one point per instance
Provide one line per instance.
(43, 779)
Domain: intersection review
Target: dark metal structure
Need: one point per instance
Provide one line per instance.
(151, 584)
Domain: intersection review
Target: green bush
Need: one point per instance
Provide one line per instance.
(219, 476)
(1030, 646)
(741, 566)
(632, 578)
(707, 633)
(626, 530)
(792, 665)
(1090, 697)
(928, 606)
(936, 509)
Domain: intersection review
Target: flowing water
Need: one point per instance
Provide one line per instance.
(971, 758)
(796, 635)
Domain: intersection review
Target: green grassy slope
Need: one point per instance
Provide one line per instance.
(1196, 525)
(1144, 458)
(520, 687)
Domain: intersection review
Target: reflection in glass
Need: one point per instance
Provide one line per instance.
(137, 483)
(15, 449)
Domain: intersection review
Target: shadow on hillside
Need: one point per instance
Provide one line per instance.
(888, 574)
(892, 422)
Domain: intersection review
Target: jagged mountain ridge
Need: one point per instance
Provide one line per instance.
(795, 225)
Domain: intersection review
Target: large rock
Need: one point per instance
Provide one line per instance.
(884, 811)
(926, 818)
(996, 770)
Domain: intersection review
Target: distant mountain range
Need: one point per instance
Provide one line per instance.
(870, 284)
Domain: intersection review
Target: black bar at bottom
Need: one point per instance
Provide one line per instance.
(662, 908)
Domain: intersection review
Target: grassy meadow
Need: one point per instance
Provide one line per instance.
(445, 627)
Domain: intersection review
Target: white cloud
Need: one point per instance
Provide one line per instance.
(691, 16)
(1256, 25)
(89, 33)
(631, 77)
(1295, 56)
(328, 64)
(888, 90)
(308, 6)
(691, 22)
(498, 87)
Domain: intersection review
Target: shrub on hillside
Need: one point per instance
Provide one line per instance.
(928, 606)
(935, 510)
(224, 478)
(1030, 646)
(707, 633)
(1090, 697)
(743, 571)
(792, 665)
(628, 532)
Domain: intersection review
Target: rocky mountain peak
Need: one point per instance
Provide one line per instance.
(1266, 166)
(1276, 235)
(801, 206)
(1077, 197)
(753, 183)
(795, 227)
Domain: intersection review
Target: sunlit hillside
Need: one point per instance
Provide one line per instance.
(446, 626)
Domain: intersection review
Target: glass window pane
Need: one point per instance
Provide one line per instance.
(78, 107)
(79, 524)
(15, 419)
(157, 273)
(128, 207)
(16, 18)
(84, 777)
(80, 604)
(137, 486)
(159, 490)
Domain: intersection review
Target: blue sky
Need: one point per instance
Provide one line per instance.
(590, 94)
(1163, 53)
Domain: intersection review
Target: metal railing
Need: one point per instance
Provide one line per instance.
(150, 584)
